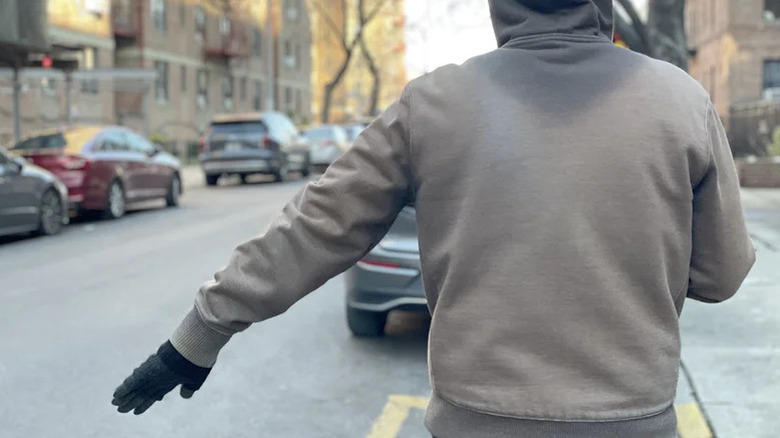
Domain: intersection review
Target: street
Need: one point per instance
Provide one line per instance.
(81, 309)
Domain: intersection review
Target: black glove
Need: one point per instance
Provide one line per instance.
(160, 374)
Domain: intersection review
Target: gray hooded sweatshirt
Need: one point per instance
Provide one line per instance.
(570, 194)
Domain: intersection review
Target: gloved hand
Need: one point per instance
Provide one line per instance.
(157, 376)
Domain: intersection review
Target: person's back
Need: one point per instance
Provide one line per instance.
(570, 194)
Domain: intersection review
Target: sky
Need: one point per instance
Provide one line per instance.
(456, 31)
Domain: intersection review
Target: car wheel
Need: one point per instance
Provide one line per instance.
(116, 201)
(211, 180)
(174, 191)
(365, 323)
(281, 173)
(306, 171)
(244, 178)
(52, 213)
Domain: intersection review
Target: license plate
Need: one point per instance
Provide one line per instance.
(232, 147)
(295, 158)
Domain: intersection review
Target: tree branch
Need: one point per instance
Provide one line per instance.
(341, 34)
(638, 26)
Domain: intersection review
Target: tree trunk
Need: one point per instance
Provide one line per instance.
(377, 82)
(330, 87)
(667, 27)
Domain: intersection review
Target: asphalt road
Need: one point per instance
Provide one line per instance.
(78, 311)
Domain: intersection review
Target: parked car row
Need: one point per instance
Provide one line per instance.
(80, 169)
(269, 143)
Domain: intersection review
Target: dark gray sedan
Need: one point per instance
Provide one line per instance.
(31, 198)
(387, 278)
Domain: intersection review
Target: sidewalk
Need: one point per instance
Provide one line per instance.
(191, 176)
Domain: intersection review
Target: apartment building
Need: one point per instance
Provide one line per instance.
(209, 60)
(79, 31)
(209, 56)
(737, 49)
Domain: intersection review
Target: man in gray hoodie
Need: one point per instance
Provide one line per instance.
(570, 195)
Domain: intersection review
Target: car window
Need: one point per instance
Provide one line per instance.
(138, 143)
(252, 127)
(113, 141)
(319, 134)
(49, 141)
(341, 134)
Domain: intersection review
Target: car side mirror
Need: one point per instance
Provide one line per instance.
(17, 164)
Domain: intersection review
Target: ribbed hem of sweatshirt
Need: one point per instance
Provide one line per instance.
(197, 342)
(446, 420)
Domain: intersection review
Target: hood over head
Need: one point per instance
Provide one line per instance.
(516, 19)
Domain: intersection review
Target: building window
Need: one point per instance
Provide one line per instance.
(291, 9)
(772, 74)
(161, 83)
(89, 61)
(257, 43)
(288, 98)
(298, 104)
(257, 102)
(159, 9)
(289, 60)
(183, 77)
(225, 25)
(202, 95)
(242, 89)
(298, 56)
(771, 10)
(199, 16)
(227, 92)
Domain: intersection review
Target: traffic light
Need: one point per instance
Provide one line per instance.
(59, 62)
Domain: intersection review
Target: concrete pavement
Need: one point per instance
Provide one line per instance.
(80, 310)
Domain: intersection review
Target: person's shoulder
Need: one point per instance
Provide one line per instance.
(449, 74)
(671, 76)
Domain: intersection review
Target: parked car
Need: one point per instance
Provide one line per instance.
(387, 278)
(326, 143)
(105, 168)
(31, 198)
(256, 143)
(353, 131)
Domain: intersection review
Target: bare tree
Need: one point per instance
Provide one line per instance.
(376, 85)
(348, 43)
(662, 37)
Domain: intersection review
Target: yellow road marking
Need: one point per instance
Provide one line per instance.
(394, 414)
(690, 420)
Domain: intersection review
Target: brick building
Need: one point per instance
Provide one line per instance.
(737, 49)
(208, 58)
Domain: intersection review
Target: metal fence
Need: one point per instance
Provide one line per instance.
(752, 126)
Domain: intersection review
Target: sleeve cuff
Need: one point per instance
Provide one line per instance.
(197, 342)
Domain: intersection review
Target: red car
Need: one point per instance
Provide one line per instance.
(105, 167)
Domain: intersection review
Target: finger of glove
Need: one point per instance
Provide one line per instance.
(186, 392)
(133, 403)
(146, 404)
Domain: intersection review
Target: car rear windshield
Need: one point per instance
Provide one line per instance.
(238, 128)
(52, 141)
(320, 134)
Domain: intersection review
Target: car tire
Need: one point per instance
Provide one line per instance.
(306, 171)
(116, 206)
(52, 214)
(364, 323)
(281, 174)
(244, 178)
(211, 180)
(174, 191)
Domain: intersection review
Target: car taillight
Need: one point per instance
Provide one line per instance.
(380, 264)
(202, 143)
(266, 143)
(71, 162)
